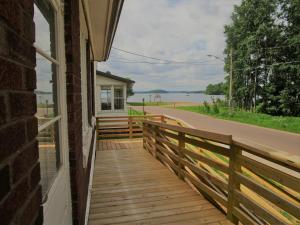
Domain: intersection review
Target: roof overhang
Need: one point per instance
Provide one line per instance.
(102, 20)
(115, 77)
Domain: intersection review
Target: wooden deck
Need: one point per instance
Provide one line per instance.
(131, 187)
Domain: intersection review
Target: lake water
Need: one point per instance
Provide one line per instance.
(165, 97)
(175, 97)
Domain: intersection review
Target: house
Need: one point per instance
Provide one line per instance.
(111, 92)
(48, 54)
(49, 92)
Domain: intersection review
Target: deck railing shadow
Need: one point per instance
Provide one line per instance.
(248, 182)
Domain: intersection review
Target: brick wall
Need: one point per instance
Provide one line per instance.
(79, 175)
(20, 192)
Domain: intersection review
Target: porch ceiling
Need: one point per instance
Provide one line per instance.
(102, 18)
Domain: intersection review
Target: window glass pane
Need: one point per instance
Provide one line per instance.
(105, 96)
(44, 18)
(119, 98)
(46, 89)
(49, 155)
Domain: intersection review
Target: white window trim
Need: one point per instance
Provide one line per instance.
(112, 87)
(61, 103)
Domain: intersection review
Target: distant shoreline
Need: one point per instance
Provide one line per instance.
(167, 92)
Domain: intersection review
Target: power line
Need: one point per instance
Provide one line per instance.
(164, 63)
(199, 63)
(150, 57)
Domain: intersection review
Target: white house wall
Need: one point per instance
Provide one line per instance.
(105, 81)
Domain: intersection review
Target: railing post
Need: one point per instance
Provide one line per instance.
(233, 184)
(162, 119)
(97, 128)
(144, 136)
(155, 130)
(130, 126)
(181, 145)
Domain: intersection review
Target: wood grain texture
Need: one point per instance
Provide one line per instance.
(131, 187)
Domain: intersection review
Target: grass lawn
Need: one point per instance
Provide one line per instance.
(291, 124)
(132, 112)
(149, 103)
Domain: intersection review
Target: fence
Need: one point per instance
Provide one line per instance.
(123, 126)
(251, 184)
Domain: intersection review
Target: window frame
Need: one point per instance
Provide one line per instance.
(109, 89)
(119, 98)
(58, 62)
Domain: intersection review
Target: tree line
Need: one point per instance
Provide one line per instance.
(216, 89)
(264, 37)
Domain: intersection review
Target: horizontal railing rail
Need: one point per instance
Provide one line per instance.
(123, 126)
(250, 183)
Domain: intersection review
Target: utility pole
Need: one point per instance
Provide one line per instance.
(230, 79)
(143, 106)
(230, 75)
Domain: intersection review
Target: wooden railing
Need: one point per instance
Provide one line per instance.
(123, 126)
(251, 184)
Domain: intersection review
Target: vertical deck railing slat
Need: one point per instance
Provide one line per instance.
(217, 173)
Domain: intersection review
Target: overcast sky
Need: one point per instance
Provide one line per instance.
(177, 30)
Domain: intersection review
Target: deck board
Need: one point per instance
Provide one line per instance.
(131, 187)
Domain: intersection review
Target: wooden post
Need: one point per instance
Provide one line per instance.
(181, 145)
(144, 138)
(144, 106)
(162, 119)
(233, 184)
(130, 127)
(155, 130)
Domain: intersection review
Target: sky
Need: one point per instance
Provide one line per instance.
(175, 30)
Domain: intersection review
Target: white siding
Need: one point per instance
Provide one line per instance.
(100, 81)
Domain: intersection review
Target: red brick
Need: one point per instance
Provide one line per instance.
(22, 104)
(20, 50)
(30, 79)
(28, 28)
(10, 75)
(24, 161)
(40, 219)
(13, 202)
(32, 128)
(12, 137)
(11, 12)
(27, 6)
(4, 181)
(35, 176)
(31, 210)
(2, 110)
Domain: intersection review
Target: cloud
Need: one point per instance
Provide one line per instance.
(179, 30)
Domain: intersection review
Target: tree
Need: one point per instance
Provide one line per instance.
(265, 39)
(129, 90)
(216, 89)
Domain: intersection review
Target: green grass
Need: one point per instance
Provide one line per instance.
(132, 112)
(291, 124)
(149, 103)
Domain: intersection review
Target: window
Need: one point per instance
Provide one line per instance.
(119, 98)
(48, 112)
(105, 96)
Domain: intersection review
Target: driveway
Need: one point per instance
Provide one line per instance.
(277, 140)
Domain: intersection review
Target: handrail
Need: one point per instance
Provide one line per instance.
(244, 180)
(123, 126)
(225, 139)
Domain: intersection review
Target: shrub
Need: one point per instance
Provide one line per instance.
(206, 106)
(215, 108)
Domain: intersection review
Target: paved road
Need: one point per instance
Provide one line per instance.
(279, 140)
